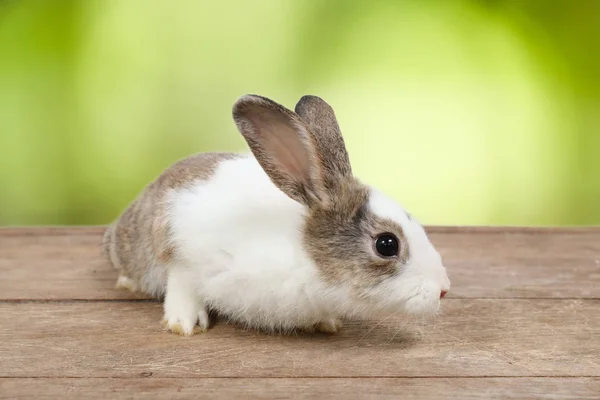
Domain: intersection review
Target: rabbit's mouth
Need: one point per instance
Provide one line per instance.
(412, 296)
(423, 303)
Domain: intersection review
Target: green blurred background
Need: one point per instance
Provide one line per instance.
(466, 112)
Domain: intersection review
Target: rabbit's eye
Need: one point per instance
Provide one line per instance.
(387, 245)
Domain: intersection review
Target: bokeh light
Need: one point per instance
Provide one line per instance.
(467, 112)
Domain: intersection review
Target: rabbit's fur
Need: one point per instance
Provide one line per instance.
(277, 239)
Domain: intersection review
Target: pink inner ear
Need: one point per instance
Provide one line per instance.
(284, 145)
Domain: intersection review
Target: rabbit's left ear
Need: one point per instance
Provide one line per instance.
(330, 147)
(285, 148)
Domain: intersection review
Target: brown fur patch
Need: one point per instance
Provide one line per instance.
(140, 238)
(340, 239)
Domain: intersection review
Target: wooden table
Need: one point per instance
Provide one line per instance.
(522, 321)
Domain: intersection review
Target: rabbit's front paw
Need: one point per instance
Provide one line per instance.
(183, 308)
(180, 316)
(187, 321)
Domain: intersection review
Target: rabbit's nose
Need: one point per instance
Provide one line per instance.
(443, 293)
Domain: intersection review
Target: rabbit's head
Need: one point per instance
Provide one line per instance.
(357, 237)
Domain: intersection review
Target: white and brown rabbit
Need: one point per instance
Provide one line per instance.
(282, 238)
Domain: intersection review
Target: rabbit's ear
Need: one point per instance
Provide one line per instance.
(331, 149)
(284, 147)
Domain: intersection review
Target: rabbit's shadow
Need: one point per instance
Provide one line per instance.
(357, 334)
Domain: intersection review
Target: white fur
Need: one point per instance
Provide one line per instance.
(242, 255)
(424, 277)
(240, 240)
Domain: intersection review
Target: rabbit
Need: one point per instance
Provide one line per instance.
(280, 238)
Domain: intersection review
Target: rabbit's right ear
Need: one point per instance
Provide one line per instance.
(322, 123)
(283, 146)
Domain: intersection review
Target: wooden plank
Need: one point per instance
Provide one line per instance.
(286, 388)
(50, 266)
(528, 263)
(67, 263)
(51, 231)
(473, 338)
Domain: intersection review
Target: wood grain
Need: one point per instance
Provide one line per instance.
(56, 265)
(66, 263)
(473, 338)
(521, 263)
(522, 321)
(310, 388)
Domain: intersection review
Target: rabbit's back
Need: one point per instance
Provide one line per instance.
(138, 243)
